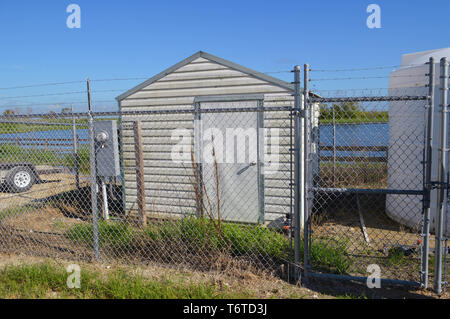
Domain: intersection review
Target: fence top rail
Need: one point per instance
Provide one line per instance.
(359, 159)
(368, 191)
(50, 139)
(370, 98)
(353, 148)
(338, 123)
(44, 115)
(10, 118)
(193, 111)
(41, 123)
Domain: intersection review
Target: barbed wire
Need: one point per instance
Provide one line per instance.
(132, 78)
(119, 79)
(367, 68)
(40, 95)
(365, 78)
(57, 103)
(61, 93)
(70, 82)
(40, 85)
(356, 70)
(366, 89)
(277, 72)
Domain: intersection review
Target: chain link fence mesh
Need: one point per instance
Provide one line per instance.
(206, 200)
(204, 190)
(44, 193)
(211, 186)
(368, 190)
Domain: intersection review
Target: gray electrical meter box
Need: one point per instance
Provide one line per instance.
(107, 148)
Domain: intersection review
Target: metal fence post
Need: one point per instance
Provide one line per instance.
(197, 160)
(92, 162)
(334, 146)
(140, 177)
(298, 170)
(442, 176)
(427, 176)
(75, 150)
(307, 167)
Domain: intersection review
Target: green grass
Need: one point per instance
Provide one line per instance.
(396, 257)
(252, 241)
(82, 123)
(118, 235)
(16, 210)
(330, 255)
(351, 112)
(84, 166)
(10, 153)
(24, 128)
(382, 117)
(50, 281)
(240, 239)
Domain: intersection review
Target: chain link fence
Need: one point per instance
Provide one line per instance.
(334, 183)
(44, 165)
(367, 193)
(206, 188)
(372, 194)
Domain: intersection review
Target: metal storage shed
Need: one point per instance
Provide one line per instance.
(205, 81)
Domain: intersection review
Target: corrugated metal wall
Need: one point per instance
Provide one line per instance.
(168, 185)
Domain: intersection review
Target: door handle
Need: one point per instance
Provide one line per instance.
(246, 168)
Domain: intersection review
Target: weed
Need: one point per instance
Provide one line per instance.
(116, 235)
(330, 255)
(83, 160)
(397, 257)
(250, 241)
(44, 280)
(10, 153)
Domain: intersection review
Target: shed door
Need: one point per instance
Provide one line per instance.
(234, 187)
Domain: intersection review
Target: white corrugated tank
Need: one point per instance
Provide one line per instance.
(406, 137)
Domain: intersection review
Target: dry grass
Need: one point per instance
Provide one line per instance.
(230, 284)
(353, 175)
(233, 283)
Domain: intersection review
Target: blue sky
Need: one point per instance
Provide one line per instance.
(128, 39)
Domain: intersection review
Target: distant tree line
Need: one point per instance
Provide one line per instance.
(29, 110)
(351, 112)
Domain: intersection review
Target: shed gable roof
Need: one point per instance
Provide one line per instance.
(201, 54)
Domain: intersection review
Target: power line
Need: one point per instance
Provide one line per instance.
(120, 79)
(40, 95)
(62, 93)
(275, 72)
(39, 85)
(56, 103)
(71, 82)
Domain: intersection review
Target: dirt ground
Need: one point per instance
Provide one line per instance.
(48, 219)
(40, 232)
(261, 285)
(52, 184)
(385, 239)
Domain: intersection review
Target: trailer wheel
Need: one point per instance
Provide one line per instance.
(20, 179)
